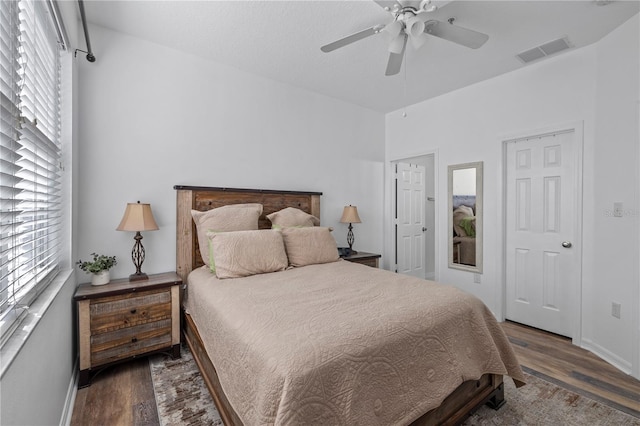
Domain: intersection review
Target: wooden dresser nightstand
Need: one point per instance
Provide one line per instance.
(369, 259)
(126, 319)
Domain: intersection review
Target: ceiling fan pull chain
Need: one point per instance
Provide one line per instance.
(406, 65)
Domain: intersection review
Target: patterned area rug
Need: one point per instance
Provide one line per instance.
(183, 399)
(541, 402)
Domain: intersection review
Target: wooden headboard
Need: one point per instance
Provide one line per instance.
(205, 198)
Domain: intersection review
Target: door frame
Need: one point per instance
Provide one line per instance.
(577, 127)
(389, 233)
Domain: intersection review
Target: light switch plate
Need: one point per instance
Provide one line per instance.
(615, 309)
(617, 209)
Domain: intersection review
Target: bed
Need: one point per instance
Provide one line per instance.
(345, 378)
(464, 229)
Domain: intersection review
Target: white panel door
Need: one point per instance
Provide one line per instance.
(542, 268)
(410, 204)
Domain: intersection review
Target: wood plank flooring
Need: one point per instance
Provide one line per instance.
(119, 395)
(123, 394)
(556, 358)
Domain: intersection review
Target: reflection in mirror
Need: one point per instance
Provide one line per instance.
(465, 217)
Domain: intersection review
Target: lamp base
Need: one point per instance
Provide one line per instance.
(138, 277)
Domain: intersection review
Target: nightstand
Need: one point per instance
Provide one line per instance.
(369, 259)
(126, 319)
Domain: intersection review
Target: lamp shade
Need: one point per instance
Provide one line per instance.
(137, 217)
(350, 215)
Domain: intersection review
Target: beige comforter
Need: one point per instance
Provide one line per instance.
(343, 343)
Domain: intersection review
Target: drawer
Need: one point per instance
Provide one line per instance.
(369, 262)
(364, 261)
(113, 313)
(126, 342)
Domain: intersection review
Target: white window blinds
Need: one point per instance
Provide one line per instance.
(30, 163)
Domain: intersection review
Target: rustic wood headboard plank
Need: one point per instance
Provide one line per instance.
(207, 198)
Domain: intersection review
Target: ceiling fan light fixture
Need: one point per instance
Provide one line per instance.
(415, 26)
(392, 31)
(397, 44)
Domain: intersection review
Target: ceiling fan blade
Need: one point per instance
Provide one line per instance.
(389, 5)
(395, 60)
(459, 35)
(352, 38)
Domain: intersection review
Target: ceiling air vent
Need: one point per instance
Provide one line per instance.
(543, 50)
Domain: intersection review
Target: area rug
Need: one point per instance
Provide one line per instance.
(541, 402)
(183, 399)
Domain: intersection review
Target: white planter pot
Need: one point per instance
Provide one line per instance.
(100, 278)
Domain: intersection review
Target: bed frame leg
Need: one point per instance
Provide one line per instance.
(496, 400)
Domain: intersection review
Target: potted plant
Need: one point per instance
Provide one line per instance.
(99, 267)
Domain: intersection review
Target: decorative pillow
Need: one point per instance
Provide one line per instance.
(234, 217)
(243, 253)
(469, 225)
(459, 214)
(292, 217)
(308, 246)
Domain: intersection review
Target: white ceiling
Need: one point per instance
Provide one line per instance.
(281, 40)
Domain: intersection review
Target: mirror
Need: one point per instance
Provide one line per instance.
(465, 217)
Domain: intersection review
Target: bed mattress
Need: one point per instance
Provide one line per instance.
(343, 343)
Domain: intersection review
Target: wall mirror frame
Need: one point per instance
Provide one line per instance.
(465, 216)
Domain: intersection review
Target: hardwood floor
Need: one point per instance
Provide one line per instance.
(119, 395)
(556, 358)
(123, 394)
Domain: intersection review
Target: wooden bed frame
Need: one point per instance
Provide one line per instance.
(454, 409)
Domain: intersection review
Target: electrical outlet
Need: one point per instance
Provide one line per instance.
(477, 278)
(615, 309)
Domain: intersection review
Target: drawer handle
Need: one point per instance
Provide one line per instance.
(133, 311)
(134, 339)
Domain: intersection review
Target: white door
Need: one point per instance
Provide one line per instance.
(410, 217)
(541, 239)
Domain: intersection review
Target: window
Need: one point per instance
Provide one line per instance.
(30, 173)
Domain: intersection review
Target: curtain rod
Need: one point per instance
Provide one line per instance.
(54, 10)
(90, 55)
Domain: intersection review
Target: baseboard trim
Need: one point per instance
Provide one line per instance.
(430, 276)
(606, 355)
(67, 412)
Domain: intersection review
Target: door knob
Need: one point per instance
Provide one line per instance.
(424, 229)
(566, 244)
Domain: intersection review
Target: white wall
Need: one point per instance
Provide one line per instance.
(596, 85)
(609, 274)
(152, 117)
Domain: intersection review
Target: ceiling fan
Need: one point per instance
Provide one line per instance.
(411, 21)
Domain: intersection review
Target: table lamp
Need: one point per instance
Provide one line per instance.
(350, 215)
(138, 217)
